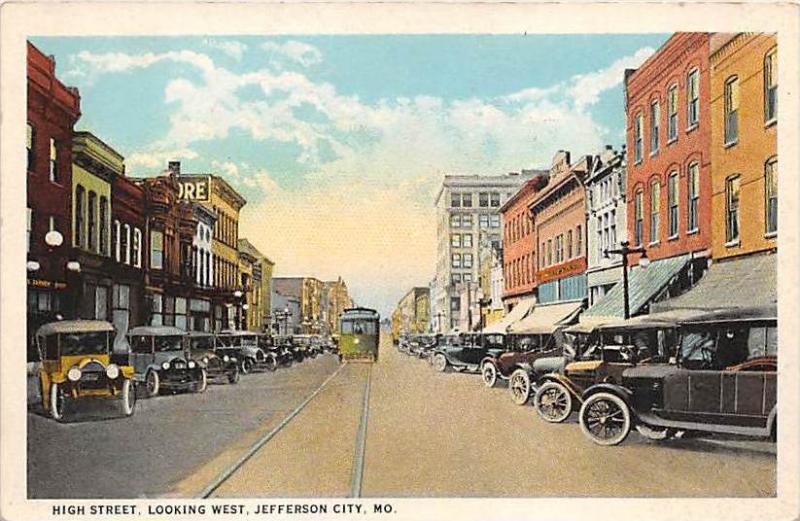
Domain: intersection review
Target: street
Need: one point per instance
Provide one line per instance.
(427, 434)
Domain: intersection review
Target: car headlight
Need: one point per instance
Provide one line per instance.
(74, 374)
(112, 371)
(225, 358)
(356, 341)
(191, 364)
(165, 365)
(205, 360)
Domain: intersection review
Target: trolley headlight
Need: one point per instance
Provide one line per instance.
(165, 365)
(112, 371)
(74, 374)
(191, 364)
(356, 341)
(225, 358)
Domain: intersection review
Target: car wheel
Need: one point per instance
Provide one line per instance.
(489, 374)
(439, 363)
(271, 363)
(553, 402)
(247, 366)
(58, 402)
(127, 398)
(233, 376)
(202, 384)
(153, 383)
(520, 386)
(605, 418)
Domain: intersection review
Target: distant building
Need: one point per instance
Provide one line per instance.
(259, 290)
(308, 292)
(335, 299)
(412, 311)
(467, 211)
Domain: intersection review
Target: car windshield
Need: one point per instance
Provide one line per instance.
(84, 343)
(169, 343)
(202, 342)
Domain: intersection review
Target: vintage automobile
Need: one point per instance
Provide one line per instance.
(278, 352)
(76, 364)
(608, 351)
(522, 351)
(160, 358)
(723, 379)
(423, 345)
(220, 367)
(404, 343)
(466, 355)
(245, 346)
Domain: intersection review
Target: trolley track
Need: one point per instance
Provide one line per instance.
(260, 448)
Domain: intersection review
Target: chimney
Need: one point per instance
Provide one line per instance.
(174, 168)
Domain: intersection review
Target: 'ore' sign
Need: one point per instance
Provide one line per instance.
(194, 188)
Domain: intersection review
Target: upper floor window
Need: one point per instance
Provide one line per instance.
(483, 199)
(672, 201)
(53, 161)
(569, 244)
(156, 250)
(455, 260)
(483, 221)
(494, 221)
(732, 209)
(466, 240)
(455, 221)
(466, 200)
(655, 126)
(655, 208)
(693, 98)
(455, 199)
(117, 234)
(466, 220)
(92, 222)
(455, 240)
(137, 247)
(771, 86)
(103, 225)
(549, 252)
(30, 145)
(731, 111)
(638, 217)
(579, 241)
(495, 199)
(693, 185)
(126, 243)
(80, 205)
(637, 138)
(467, 260)
(771, 195)
(30, 227)
(672, 114)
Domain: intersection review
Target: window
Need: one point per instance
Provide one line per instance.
(455, 240)
(672, 200)
(30, 227)
(549, 252)
(693, 98)
(126, 243)
(466, 200)
(455, 304)
(569, 244)
(116, 240)
(612, 228)
(771, 194)
(466, 240)
(101, 302)
(103, 225)
(559, 248)
(30, 145)
(455, 260)
(483, 199)
(455, 200)
(494, 221)
(495, 199)
(455, 278)
(693, 174)
(579, 241)
(732, 209)
(771, 86)
(455, 221)
(467, 260)
(672, 114)
(80, 204)
(468, 277)
(92, 228)
(637, 212)
(655, 208)
(137, 247)
(655, 125)
(53, 161)
(637, 139)
(731, 111)
(483, 221)
(466, 221)
(156, 250)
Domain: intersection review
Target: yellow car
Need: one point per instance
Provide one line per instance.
(76, 364)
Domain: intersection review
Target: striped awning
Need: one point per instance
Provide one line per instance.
(517, 313)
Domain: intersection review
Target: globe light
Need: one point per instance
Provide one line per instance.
(74, 266)
(33, 265)
(53, 238)
(237, 293)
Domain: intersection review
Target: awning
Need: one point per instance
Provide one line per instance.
(644, 284)
(736, 283)
(517, 313)
(545, 318)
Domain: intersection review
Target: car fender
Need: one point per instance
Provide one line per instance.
(617, 390)
(126, 371)
(489, 358)
(772, 418)
(561, 379)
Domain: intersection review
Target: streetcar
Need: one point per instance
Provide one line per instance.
(359, 334)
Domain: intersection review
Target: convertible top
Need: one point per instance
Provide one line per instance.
(156, 331)
(754, 313)
(74, 326)
(239, 332)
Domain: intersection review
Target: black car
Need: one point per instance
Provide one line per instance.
(220, 367)
(467, 351)
(423, 345)
(723, 379)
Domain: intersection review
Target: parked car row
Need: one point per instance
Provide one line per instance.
(78, 362)
(665, 374)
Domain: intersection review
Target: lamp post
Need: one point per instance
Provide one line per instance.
(439, 317)
(483, 303)
(237, 294)
(626, 250)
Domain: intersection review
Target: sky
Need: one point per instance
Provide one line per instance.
(339, 142)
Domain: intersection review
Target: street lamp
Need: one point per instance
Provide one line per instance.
(53, 239)
(483, 303)
(626, 250)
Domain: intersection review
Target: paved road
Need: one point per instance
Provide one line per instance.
(428, 434)
(168, 439)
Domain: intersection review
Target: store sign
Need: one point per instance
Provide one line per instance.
(46, 284)
(562, 270)
(194, 188)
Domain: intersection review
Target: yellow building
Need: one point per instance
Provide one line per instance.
(412, 314)
(257, 269)
(744, 163)
(335, 299)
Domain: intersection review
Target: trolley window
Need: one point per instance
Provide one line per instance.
(359, 327)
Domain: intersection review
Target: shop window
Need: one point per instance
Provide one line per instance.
(732, 209)
(771, 86)
(771, 193)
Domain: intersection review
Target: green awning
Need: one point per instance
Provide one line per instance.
(644, 284)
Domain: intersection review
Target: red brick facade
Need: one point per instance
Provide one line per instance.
(660, 96)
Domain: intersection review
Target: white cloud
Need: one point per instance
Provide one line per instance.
(585, 89)
(232, 48)
(293, 51)
(156, 158)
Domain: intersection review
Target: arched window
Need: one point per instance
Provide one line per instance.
(103, 225)
(638, 223)
(672, 202)
(655, 209)
(693, 198)
(771, 86)
(126, 243)
(693, 98)
(92, 222)
(731, 110)
(137, 247)
(771, 195)
(80, 219)
(117, 237)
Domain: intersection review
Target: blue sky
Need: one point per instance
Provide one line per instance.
(339, 142)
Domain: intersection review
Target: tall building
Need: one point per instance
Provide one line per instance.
(467, 212)
(308, 292)
(260, 291)
(335, 299)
